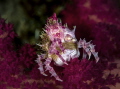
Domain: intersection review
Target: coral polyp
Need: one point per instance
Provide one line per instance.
(60, 45)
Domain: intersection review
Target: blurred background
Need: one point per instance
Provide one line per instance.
(29, 16)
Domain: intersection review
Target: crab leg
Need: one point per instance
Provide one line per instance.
(84, 54)
(58, 41)
(40, 57)
(88, 48)
(92, 49)
(84, 45)
(50, 69)
(57, 53)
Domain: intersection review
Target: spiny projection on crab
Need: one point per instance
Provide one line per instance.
(61, 45)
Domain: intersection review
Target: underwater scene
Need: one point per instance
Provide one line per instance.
(60, 44)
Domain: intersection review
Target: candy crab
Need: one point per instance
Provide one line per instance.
(60, 45)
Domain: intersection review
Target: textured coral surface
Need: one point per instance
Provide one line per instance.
(95, 19)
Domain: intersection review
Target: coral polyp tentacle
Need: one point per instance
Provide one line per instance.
(60, 46)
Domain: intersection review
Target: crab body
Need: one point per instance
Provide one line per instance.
(60, 45)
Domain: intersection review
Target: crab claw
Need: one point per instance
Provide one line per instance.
(66, 63)
(42, 72)
(96, 56)
(50, 69)
(88, 48)
(59, 79)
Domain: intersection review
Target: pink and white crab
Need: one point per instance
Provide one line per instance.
(60, 45)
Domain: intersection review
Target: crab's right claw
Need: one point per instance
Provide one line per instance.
(40, 57)
(50, 69)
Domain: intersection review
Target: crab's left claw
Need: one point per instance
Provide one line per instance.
(88, 48)
(92, 49)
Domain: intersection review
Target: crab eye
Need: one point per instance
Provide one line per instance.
(68, 38)
(74, 40)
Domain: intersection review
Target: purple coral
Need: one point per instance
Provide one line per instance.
(13, 62)
(96, 20)
(8, 58)
(99, 23)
